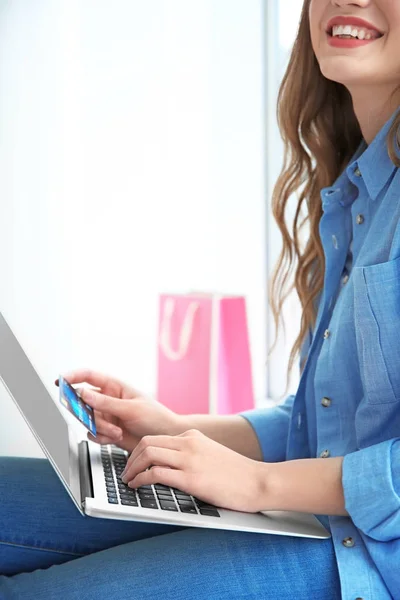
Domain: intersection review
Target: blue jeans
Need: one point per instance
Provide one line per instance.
(49, 551)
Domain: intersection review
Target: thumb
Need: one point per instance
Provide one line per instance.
(114, 406)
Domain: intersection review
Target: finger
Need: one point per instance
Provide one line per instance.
(99, 380)
(107, 404)
(88, 376)
(153, 456)
(103, 427)
(162, 441)
(105, 416)
(170, 477)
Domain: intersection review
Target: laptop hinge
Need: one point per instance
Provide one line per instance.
(85, 474)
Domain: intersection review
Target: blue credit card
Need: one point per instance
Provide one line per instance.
(76, 406)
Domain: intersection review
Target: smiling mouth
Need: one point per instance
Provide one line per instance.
(353, 32)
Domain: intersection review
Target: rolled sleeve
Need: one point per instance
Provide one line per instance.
(371, 485)
(271, 426)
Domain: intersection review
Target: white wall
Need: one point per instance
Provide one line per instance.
(131, 163)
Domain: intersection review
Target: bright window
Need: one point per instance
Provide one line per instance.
(131, 163)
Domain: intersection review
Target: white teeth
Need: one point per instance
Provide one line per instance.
(361, 34)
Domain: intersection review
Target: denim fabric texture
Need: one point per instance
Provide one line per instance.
(49, 551)
(348, 399)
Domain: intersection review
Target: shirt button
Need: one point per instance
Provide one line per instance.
(325, 454)
(345, 279)
(326, 402)
(348, 542)
(357, 172)
(360, 219)
(327, 333)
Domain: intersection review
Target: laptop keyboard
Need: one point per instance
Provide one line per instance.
(157, 496)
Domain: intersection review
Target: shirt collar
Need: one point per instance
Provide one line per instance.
(374, 162)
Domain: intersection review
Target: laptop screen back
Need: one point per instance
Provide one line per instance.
(35, 403)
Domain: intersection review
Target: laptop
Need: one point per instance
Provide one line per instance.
(90, 472)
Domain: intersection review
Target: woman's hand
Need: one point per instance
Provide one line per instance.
(122, 415)
(201, 467)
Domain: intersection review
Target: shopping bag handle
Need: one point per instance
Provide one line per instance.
(185, 333)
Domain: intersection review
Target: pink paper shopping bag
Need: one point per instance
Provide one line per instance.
(204, 363)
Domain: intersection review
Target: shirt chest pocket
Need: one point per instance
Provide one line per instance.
(377, 324)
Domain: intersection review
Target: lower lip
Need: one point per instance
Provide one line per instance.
(347, 43)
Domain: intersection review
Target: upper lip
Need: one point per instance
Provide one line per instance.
(348, 20)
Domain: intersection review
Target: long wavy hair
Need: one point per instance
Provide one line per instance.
(320, 133)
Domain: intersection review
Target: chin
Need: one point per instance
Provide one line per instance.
(340, 71)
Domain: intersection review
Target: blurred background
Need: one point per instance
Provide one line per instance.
(138, 152)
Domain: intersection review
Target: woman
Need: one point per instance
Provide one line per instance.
(338, 113)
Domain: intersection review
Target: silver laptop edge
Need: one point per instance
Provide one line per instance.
(52, 433)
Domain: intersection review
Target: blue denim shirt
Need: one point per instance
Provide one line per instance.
(348, 399)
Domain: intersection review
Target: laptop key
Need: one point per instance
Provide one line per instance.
(148, 503)
(186, 503)
(127, 496)
(209, 513)
(168, 505)
(113, 500)
(201, 504)
(164, 495)
(188, 509)
(127, 491)
(129, 502)
(143, 496)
